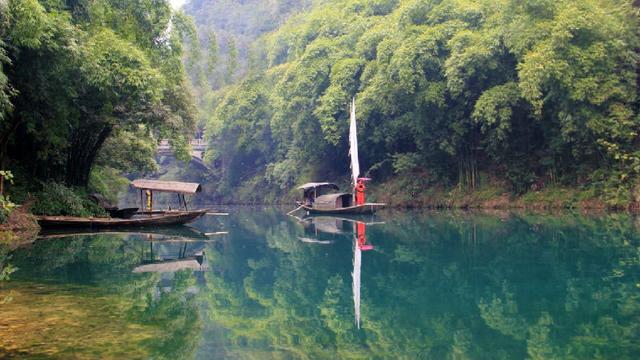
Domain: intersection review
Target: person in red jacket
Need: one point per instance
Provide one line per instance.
(359, 190)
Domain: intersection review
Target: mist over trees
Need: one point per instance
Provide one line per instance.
(528, 94)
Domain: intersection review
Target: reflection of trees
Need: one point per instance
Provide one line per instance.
(438, 285)
(164, 323)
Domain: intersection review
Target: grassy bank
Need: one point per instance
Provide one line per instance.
(408, 192)
(412, 192)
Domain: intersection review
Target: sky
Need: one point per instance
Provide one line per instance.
(177, 3)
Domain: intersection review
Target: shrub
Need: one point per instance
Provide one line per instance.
(57, 199)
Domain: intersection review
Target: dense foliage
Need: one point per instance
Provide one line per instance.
(90, 82)
(528, 93)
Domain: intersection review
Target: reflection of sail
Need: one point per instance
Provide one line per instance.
(353, 144)
(336, 226)
(357, 263)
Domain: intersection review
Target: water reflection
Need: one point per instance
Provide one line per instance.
(421, 285)
(106, 294)
(356, 228)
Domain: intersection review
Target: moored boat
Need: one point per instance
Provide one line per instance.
(314, 202)
(174, 217)
(147, 217)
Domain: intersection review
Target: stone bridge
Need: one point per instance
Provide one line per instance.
(198, 147)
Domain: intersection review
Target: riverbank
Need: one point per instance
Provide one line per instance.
(403, 192)
(21, 227)
(408, 193)
(455, 199)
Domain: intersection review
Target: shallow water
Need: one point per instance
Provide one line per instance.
(419, 285)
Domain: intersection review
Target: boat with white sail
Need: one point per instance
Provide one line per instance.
(319, 198)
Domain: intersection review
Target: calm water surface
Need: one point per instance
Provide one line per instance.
(420, 285)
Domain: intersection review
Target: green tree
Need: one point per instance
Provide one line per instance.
(232, 60)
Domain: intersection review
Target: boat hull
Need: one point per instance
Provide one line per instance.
(367, 208)
(165, 219)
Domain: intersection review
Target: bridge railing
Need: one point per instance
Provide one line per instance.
(195, 143)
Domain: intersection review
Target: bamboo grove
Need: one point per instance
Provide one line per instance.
(89, 85)
(528, 94)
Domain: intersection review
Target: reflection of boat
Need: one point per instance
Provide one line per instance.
(323, 229)
(148, 217)
(171, 266)
(314, 241)
(313, 201)
(339, 226)
(184, 233)
(172, 255)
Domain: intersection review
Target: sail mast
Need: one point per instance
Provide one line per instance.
(353, 144)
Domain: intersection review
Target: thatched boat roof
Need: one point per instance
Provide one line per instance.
(312, 185)
(167, 186)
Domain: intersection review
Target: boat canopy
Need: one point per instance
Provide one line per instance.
(167, 186)
(312, 185)
(332, 201)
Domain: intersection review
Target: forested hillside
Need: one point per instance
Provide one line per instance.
(86, 89)
(228, 28)
(522, 95)
(223, 50)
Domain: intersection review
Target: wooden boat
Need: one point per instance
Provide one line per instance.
(147, 217)
(314, 202)
(175, 217)
(338, 203)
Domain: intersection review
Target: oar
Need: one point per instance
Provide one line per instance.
(217, 214)
(217, 233)
(294, 210)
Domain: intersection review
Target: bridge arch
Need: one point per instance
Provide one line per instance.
(198, 148)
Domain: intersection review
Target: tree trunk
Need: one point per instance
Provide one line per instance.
(4, 142)
(82, 154)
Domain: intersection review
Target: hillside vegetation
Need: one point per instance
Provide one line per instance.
(87, 87)
(522, 95)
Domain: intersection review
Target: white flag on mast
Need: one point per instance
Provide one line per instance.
(353, 144)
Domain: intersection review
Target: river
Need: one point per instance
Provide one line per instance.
(413, 285)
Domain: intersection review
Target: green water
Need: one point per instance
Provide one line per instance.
(434, 286)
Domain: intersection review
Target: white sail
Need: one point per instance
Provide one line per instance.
(357, 263)
(353, 145)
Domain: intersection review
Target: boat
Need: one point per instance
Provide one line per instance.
(315, 202)
(166, 218)
(335, 203)
(147, 217)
